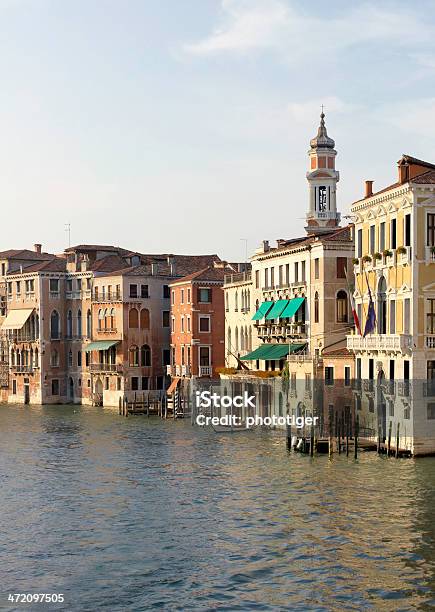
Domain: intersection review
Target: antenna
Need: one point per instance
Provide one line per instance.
(68, 231)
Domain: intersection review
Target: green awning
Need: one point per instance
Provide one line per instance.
(262, 311)
(277, 309)
(101, 345)
(273, 351)
(292, 307)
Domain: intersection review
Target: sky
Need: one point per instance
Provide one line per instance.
(182, 126)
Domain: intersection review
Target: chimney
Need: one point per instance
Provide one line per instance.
(171, 264)
(265, 245)
(37, 248)
(403, 172)
(369, 189)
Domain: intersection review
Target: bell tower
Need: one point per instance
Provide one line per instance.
(322, 179)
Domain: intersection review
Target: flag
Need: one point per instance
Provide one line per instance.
(352, 303)
(371, 314)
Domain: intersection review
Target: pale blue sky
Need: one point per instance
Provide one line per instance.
(183, 125)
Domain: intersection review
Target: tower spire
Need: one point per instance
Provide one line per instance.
(322, 178)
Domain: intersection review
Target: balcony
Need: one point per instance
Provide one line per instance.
(205, 370)
(396, 343)
(430, 254)
(106, 368)
(404, 257)
(110, 297)
(283, 330)
(430, 341)
(23, 369)
(404, 388)
(17, 338)
(239, 277)
(106, 330)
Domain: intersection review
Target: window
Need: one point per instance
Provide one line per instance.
(173, 297)
(431, 411)
(347, 376)
(79, 359)
(166, 357)
(106, 383)
(372, 245)
(303, 271)
(371, 369)
(382, 236)
(30, 286)
(182, 296)
(188, 296)
(316, 307)
(144, 383)
(134, 383)
(204, 296)
(407, 230)
(54, 359)
(204, 355)
(87, 359)
(144, 318)
(204, 324)
(79, 284)
(287, 274)
(9, 288)
(88, 324)
(14, 387)
(182, 323)
(280, 275)
(133, 291)
(70, 358)
(188, 323)
(165, 318)
(431, 229)
(430, 316)
(317, 268)
(166, 292)
(173, 324)
(342, 312)
(329, 375)
(341, 267)
(55, 387)
(118, 383)
(393, 237)
(236, 302)
(266, 277)
(392, 317)
(133, 319)
(69, 286)
(144, 293)
(3, 269)
(359, 243)
(18, 287)
(296, 267)
(54, 285)
(133, 356)
(79, 323)
(257, 279)
(272, 277)
(54, 325)
(145, 355)
(69, 325)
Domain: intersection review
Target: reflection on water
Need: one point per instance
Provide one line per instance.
(135, 514)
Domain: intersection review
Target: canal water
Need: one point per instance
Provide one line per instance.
(142, 514)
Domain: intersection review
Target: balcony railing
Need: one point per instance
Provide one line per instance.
(106, 330)
(110, 297)
(23, 369)
(430, 254)
(205, 370)
(283, 330)
(238, 277)
(16, 339)
(105, 367)
(430, 341)
(380, 342)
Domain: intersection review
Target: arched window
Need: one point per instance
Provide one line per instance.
(100, 318)
(250, 338)
(55, 325)
(112, 319)
(236, 302)
(144, 318)
(316, 307)
(37, 326)
(106, 318)
(236, 339)
(133, 319)
(69, 324)
(342, 312)
(280, 404)
(36, 358)
(382, 306)
(229, 340)
(79, 323)
(70, 358)
(13, 357)
(89, 324)
(226, 302)
(242, 338)
(145, 355)
(134, 356)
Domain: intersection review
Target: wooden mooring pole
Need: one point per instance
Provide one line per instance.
(397, 440)
(355, 450)
(389, 439)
